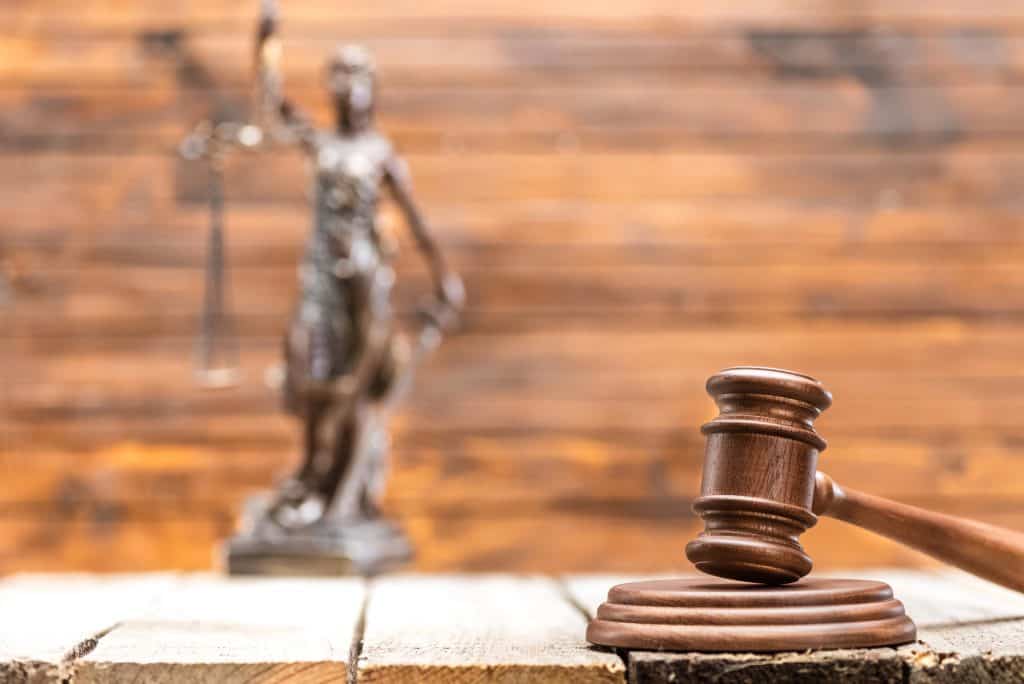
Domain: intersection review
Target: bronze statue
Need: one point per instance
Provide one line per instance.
(345, 358)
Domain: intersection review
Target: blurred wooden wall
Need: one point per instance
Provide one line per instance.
(638, 193)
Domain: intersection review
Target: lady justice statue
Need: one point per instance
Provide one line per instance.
(345, 358)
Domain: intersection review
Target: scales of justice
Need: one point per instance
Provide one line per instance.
(346, 359)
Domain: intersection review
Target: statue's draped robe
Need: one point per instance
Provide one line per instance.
(339, 274)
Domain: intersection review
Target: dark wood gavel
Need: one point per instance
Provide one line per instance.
(762, 489)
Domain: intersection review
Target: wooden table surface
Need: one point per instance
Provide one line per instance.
(451, 628)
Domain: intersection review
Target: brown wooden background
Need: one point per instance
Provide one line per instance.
(638, 194)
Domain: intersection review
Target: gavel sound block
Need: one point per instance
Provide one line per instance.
(760, 491)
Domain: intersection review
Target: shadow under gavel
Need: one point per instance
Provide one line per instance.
(761, 490)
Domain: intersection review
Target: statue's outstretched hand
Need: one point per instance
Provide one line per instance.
(442, 311)
(452, 293)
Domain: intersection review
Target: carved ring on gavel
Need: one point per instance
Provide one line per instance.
(761, 490)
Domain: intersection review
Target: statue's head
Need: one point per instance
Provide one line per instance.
(351, 81)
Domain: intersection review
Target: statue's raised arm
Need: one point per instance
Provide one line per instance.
(277, 116)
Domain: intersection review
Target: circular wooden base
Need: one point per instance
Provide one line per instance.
(711, 615)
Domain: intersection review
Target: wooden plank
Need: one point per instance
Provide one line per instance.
(981, 640)
(481, 629)
(948, 598)
(213, 629)
(874, 140)
(463, 15)
(853, 665)
(51, 620)
(589, 591)
(44, 279)
(568, 535)
(484, 471)
(128, 493)
(55, 302)
(957, 177)
(497, 58)
(937, 599)
(939, 406)
(629, 360)
(669, 114)
(571, 402)
(669, 231)
(520, 539)
(102, 539)
(969, 630)
(466, 470)
(553, 120)
(941, 438)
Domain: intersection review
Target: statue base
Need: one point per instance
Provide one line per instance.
(327, 548)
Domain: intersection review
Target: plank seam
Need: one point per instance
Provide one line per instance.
(69, 661)
(562, 586)
(355, 650)
(563, 589)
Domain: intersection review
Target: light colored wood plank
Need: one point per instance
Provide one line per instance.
(985, 651)
(48, 619)
(214, 629)
(968, 630)
(590, 591)
(946, 597)
(935, 598)
(854, 665)
(446, 628)
(478, 629)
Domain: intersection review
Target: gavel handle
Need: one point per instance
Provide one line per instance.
(993, 553)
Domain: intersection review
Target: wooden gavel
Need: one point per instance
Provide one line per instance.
(762, 489)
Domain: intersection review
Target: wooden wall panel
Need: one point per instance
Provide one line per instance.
(637, 193)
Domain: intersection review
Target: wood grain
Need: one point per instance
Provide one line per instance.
(483, 472)
(481, 628)
(477, 629)
(967, 601)
(984, 634)
(639, 194)
(51, 620)
(521, 538)
(559, 114)
(958, 176)
(850, 287)
(560, 56)
(211, 629)
(672, 230)
(969, 630)
(651, 15)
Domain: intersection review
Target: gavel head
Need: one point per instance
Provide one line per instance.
(759, 466)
